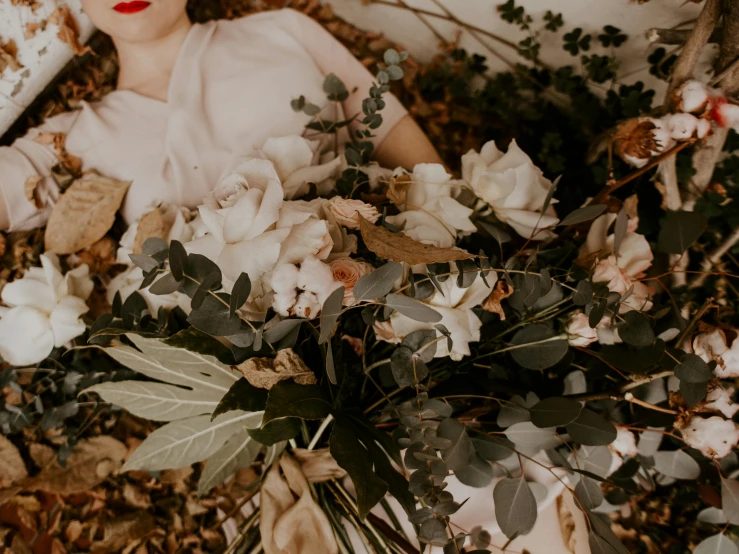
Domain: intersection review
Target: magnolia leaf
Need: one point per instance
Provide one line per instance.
(515, 506)
(717, 544)
(14, 469)
(88, 465)
(378, 283)
(151, 225)
(264, 373)
(196, 341)
(461, 453)
(184, 442)
(591, 429)
(241, 396)
(352, 456)
(401, 248)
(84, 213)
(589, 493)
(289, 399)
(157, 401)
(239, 451)
(413, 309)
(541, 347)
(554, 412)
(680, 230)
(173, 365)
(583, 214)
(330, 313)
(676, 464)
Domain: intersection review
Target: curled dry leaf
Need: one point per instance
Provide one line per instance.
(398, 189)
(398, 247)
(318, 465)
(11, 462)
(84, 213)
(151, 225)
(90, 462)
(69, 31)
(634, 138)
(42, 454)
(100, 256)
(265, 373)
(8, 53)
(69, 162)
(501, 291)
(34, 191)
(122, 531)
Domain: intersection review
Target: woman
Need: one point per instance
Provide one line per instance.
(192, 100)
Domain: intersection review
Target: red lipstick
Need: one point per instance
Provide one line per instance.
(131, 7)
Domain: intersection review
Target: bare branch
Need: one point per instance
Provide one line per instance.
(715, 257)
(677, 37)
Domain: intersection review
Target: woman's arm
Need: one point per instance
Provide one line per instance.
(406, 145)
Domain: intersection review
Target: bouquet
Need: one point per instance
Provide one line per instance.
(377, 340)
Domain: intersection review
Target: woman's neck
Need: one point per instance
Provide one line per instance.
(146, 67)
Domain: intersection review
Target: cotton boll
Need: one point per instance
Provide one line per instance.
(307, 305)
(682, 125)
(693, 97)
(634, 161)
(284, 278)
(625, 443)
(720, 400)
(662, 136)
(703, 128)
(316, 277)
(727, 115)
(714, 436)
(282, 302)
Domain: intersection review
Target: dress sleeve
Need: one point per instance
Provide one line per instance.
(333, 57)
(23, 159)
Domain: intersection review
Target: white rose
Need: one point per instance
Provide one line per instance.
(579, 332)
(45, 309)
(714, 436)
(431, 214)
(513, 187)
(455, 307)
(347, 211)
(714, 345)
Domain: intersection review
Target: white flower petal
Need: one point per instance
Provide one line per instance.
(26, 337)
(65, 319)
(254, 257)
(29, 292)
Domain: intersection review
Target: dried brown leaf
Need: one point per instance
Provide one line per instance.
(69, 31)
(635, 138)
(501, 291)
(34, 191)
(265, 373)
(42, 454)
(100, 256)
(135, 497)
(31, 28)
(121, 531)
(151, 225)
(401, 248)
(90, 462)
(84, 213)
(11, 462)
(8, 53)
(398, 189)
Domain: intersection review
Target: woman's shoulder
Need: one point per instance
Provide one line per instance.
(286, 18)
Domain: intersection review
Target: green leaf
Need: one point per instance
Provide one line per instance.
(619, 230)
(378, 283)
(146, 263)
(591, 429)
(636, 330)
(330, 314)
(680, 230)
(165, 285)
(599, 545)
(538, 356)
(335, 88)
(276, 431)
(478, 474)
(239, 451)
(461, 453)
(493, 450)
(282, 329)
(408, 369)
(240, 292)
(692, 369)
(515, 506)
(730, 500)
(177, 259)
(215, 318)
(589, 493)
(196, 341)
(601, 526)
(717, 544)
(413, 309)
(555, 412)
(288, 399)
(242, 396)
(211, 281)
(353, 457)
(676, 464)
(583, 214)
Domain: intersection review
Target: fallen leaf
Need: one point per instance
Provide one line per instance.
(265, 373)
(90, 462)
(501, 291)
(69, 31)
(119, 532)
(72, 164)
(11, 462)
(84, 213)
(73, 530)
(135, 497)
(151, 225)
(35, 192)
(99, 256)
(401, 248)
(8, 53)
(42, 454)
(398, 189)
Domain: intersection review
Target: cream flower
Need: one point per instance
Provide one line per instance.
(513, 187)
(455, 307)
(713, 436)
(302, 291)
(579, 332)
(347, 211)
(716, 345)
(623, 271)
(45, 309)
(348, 271)
(431, 214)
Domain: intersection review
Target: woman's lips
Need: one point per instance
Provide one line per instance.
(131, 7)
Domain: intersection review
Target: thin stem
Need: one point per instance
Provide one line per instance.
(326, 422)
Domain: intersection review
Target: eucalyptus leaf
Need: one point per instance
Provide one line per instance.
(461, 453)
(477, 474)
(413, 309)
(676, 464)
(585, 213)
(730, 499)
(591, 429)
(515, 506)
(240, 292)
(378, 283)
(539, 347)
(692, 369)
(589, 493)
(679, 230)
(717, 544)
